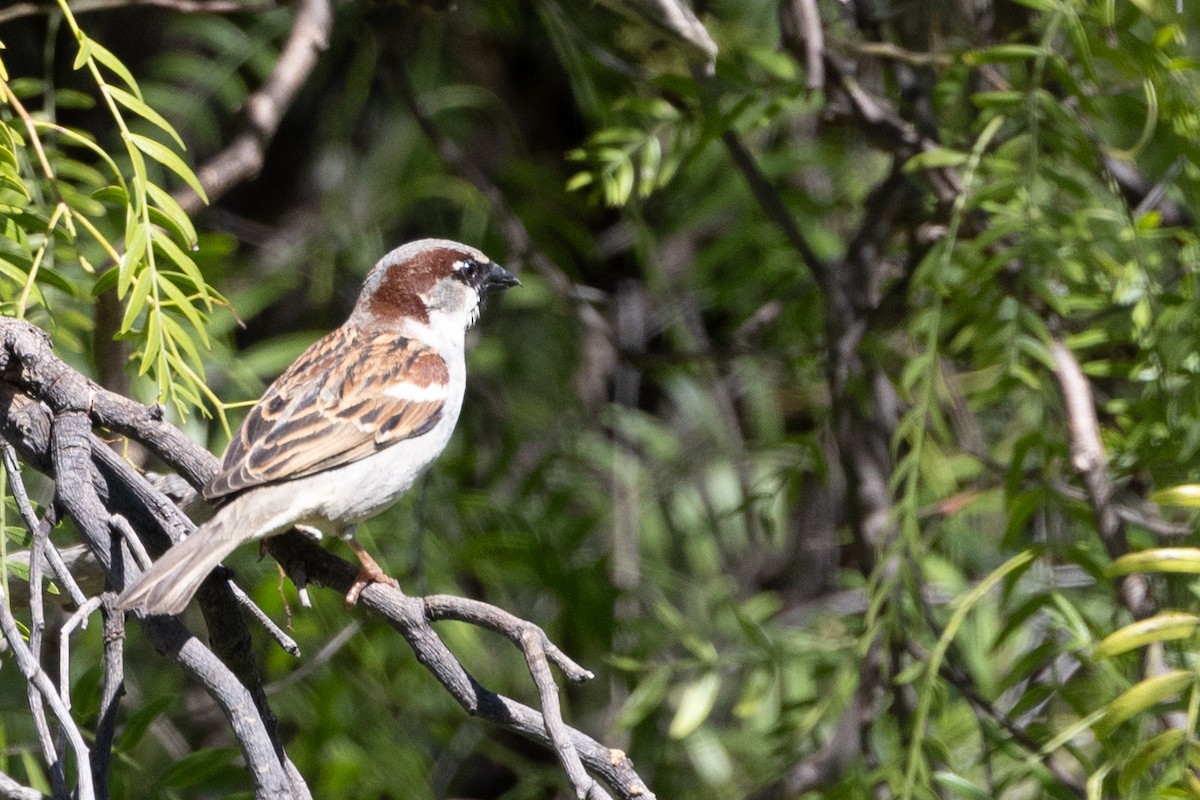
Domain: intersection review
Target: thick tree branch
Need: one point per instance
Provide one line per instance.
(86, 473)
(307, 562)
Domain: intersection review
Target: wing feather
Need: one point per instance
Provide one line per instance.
(346, 397)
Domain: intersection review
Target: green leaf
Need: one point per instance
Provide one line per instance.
(84, 140)
(85, 52)
(1163, 627)
(1150, 754)
(106, 281)
(137, 299)
(154, 344)
(185, 263)
(197, 768)
(1141, 697)
(136, 242)
(1005, 53)
(106, 57)
(580, 180)
(647, 697)
(1185, 495)
(695, 704)
(34, 773)
(935, 158)
(998, 99)
(134, 726)
(960, 786)
(175, 332)
(169, 159)
(173, 212)
(139, 107)
(1161, 559)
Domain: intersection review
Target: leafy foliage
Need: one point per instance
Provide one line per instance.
(71, 213)
(650, 463)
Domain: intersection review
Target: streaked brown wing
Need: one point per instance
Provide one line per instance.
(333, 407)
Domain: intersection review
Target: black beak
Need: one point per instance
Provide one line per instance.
(499, 278)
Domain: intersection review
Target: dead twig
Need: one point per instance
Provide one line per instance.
(243, 157)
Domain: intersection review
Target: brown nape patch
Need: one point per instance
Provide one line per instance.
(400, 289)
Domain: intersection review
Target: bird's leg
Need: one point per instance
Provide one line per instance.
(371, 572)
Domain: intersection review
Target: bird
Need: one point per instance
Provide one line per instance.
(348, 427)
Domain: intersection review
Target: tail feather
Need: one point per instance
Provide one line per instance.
(171, 581)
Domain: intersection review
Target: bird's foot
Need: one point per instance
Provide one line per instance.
(370, 572)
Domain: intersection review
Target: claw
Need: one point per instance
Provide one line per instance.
(370, 572)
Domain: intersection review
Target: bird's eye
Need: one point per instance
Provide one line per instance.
(469, 271)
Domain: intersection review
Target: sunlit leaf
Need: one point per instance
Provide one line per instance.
(1142, 697)
(1162, 627)
(169, 159)
(1161, 559)
(695, 704)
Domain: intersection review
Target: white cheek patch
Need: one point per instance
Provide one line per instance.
(415, 393)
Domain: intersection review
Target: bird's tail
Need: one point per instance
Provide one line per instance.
(171, 581)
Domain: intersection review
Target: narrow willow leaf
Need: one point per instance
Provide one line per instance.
(579, 180)
(83, 140)
(960, 786)
(1141, 697)
(1095, 781)
(1186, 495)
(137, 299)
(169, 159)
(136, 723)
(135, 252)
(53, 277)
(909, 674)
(106, 57)
(1149, 755)
(1005, 52)
(935, 158)
(185, 263)
(695, 704)
(196, 768)
(1164, 627)
(644, 699)
(174, 212)
(139, 107)
(186, 307)
(11, 270)
(179, 386)
(1160, 559)
(153, 349)
(709, 758)
(998, 99)
(106, 281)
(175, 332)
(962, 607)
(85, 52)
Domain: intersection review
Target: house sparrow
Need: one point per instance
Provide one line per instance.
(347, 429)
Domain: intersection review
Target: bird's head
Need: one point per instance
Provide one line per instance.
(430, 281)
